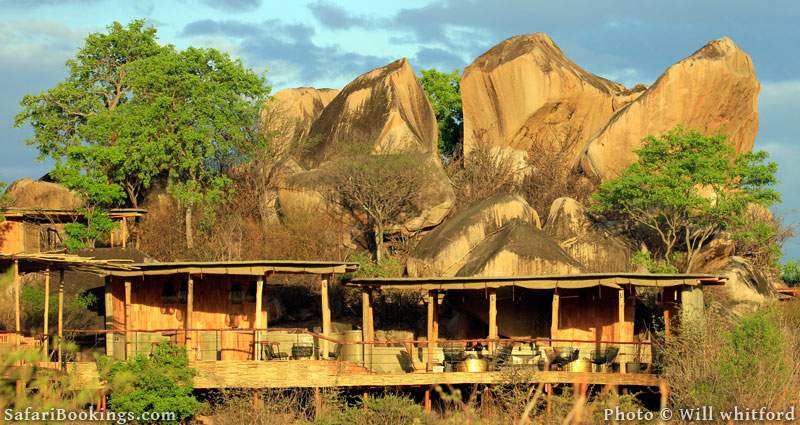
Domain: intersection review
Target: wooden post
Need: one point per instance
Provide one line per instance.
(666, 312)
(554, 318)
(492, 319)
(46, 318)
(663, 388)
(257, 322)
(61, 317)
(109, 307)
(548, 389)
(16, 278)
(127, 318)
(124, 232)
(189, 323)
(326, 317)
(621, 325)
(266, 305)
(428, 405)
(433, 326)
(317, 403)
(367, 327)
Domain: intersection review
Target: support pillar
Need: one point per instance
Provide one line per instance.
(493, 331)
(665, 294)
(189, 322)
(367, 327)
(257, 320)
(17, 322)
(326, 318)
(621, 326)
(61, 318)
(433, 326)
(127, 318)
(554, 319)
(46, 318)
(109, 316)
(428, 405)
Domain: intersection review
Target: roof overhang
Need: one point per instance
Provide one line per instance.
(576, 281)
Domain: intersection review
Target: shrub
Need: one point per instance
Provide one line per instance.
(387, 409)
(160, 382)
(790, 272)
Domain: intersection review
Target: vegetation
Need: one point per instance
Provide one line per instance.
(443, 91)
(686, 189)
(45, 389)
(132, 110)
(790, 272)
(160, 382)
(724, 361)
(381, 188)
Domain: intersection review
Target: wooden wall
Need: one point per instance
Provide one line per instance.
(593, 314)
(11, 236)
(212, 311)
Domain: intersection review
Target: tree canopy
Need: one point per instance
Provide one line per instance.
(685, 189)
(131, 110)
(444, 94)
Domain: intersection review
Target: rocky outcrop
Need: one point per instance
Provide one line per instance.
(714, 90)
(447, 248)
(382, 111)
(588, 243)
(525, 95)
(31, 193)
(288, 115)
(519, 249)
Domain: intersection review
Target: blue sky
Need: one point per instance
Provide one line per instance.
(326, 43)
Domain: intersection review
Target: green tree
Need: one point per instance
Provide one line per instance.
(132, 110)
(160, 382)
(684, 190)
(443, 91)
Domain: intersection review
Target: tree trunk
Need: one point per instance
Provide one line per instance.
(378, 243)
(189, 235)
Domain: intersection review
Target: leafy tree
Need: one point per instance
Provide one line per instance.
(160, 382)
(443, 92)
(132, 110)
(4, 198)
(685, 189)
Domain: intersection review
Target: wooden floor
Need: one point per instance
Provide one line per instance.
(321, 373)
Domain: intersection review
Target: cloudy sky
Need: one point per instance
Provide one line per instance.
(327, 43)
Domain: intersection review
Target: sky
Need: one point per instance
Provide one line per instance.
(324, 43)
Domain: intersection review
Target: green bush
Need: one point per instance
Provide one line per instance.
(160, 382)
(790, 272)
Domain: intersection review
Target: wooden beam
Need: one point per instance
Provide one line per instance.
(433, 325)
(621, 324)
(493, 330)
(554, 319)
(46, 314)
(127, 318)
(189, 322)
(61, 317)
(257, 319)
(109, 307)
(326, 316)
(16, 278)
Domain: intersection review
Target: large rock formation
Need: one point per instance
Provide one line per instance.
(519, 249)
(499, 236)
(288, 115)
(594, 247)
(31, 193)
(447, 248)
(525, 95)
(383, 111)
(713, 90)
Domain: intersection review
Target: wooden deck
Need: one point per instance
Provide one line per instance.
(321, 374)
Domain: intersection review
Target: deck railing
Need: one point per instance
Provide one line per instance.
(377, 356)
